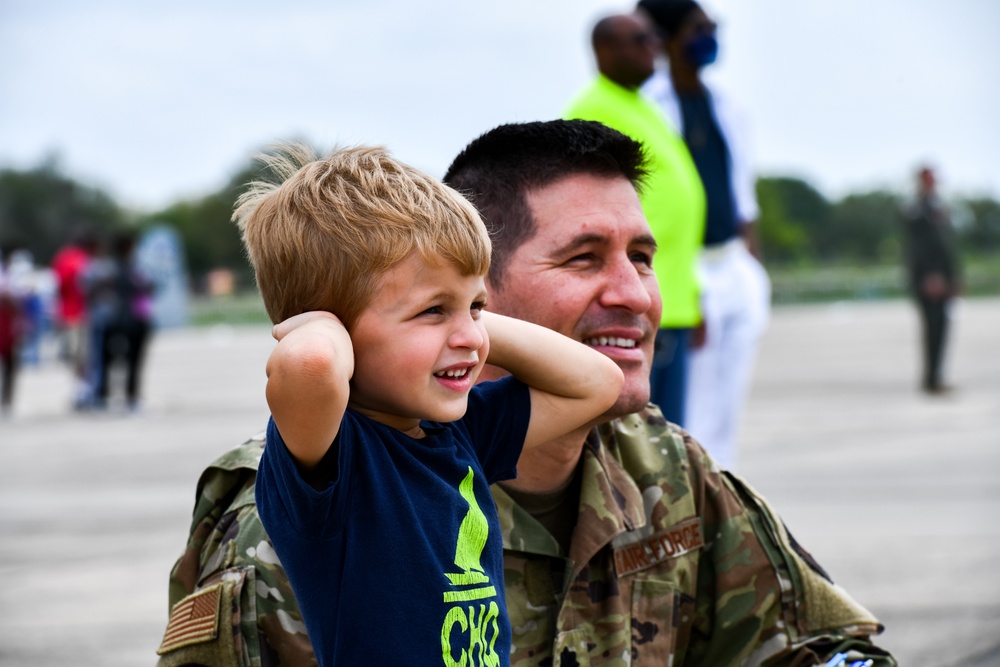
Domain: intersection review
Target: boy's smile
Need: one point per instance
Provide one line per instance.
(420, 345)
(456, 374)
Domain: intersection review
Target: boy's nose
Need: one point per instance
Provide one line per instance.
(468, 333)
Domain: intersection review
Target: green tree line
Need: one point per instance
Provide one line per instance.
(798, 227)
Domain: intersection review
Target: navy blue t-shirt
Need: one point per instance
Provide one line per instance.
(398, 558)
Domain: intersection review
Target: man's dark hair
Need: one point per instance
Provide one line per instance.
(497, 170)
(668, 15)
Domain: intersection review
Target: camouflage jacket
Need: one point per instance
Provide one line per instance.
(231, 603)
(672, 562)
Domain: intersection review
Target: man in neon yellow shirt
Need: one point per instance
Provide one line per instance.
(673, 199)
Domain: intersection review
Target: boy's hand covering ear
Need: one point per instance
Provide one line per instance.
(282, 329)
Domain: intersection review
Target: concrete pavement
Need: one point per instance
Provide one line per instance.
(896, 494)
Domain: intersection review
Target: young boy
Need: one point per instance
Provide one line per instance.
(374, 485)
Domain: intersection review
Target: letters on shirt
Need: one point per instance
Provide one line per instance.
(475, 643)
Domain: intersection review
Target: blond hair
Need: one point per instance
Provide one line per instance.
(323, 238)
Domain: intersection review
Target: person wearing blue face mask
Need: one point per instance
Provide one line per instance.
(735, 290)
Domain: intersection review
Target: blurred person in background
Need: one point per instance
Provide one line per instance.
(735, 289)
(119, 308)
(12, 324)
(934, 273)
(69, 265)
(34, 286)
(672, 199)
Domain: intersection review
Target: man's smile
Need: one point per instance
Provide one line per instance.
(612, 341)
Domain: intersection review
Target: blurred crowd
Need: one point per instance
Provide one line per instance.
(94, 302)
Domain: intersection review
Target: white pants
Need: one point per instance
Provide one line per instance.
(735, 301)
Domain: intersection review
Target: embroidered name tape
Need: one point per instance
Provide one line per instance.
(676, 540)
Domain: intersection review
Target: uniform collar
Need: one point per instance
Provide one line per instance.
(610, 504)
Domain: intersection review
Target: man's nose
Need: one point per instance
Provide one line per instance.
(625, 287)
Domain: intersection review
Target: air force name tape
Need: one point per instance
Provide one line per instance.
(670, 543)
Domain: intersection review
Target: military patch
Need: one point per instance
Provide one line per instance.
(193, 620)
(674, 541)
(806, 556)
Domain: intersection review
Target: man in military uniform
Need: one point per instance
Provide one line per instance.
(934, 273)
(633, 547)
(628, 547)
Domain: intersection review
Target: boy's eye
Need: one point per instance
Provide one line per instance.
(478, 307)
(433, 310)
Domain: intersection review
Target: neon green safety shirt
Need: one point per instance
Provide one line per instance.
(673, 198)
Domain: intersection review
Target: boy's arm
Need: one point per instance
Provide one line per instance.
(571, 384)
(308, 376)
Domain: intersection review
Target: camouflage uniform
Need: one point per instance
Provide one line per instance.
(228, 548)
(672, 562)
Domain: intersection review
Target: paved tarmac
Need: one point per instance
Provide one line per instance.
(896, 493)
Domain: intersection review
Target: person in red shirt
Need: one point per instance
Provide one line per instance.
(68, 265)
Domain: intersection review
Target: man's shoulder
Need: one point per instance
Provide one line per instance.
(242, 457)
(591, 89)
(228, 478)
(735, 523)
(230, 555)
(603, 100)
(224, 498)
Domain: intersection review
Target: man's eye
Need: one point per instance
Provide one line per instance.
(644, 258)
(582, 257)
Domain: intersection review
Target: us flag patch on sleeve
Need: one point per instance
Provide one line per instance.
(193, 620)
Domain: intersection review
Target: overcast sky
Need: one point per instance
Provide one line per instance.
(157, 101)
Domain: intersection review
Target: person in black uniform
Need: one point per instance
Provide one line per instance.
(934, 272)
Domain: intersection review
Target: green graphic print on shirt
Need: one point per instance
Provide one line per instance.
(478, 627)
